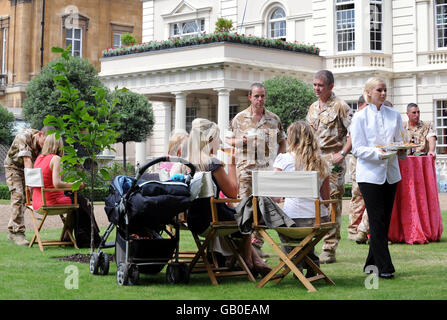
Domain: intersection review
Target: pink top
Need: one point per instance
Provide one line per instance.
(52, 197)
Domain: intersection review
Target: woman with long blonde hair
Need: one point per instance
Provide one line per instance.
(377, 172)
(203, 144)
(303, 154)
(50, 162)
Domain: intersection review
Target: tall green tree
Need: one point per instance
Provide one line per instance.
(7, 121)
(87, 124)
(42, 97)
(137, 119)
(289, 98)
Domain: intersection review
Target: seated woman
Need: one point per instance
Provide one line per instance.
(204, 141)
(303, 154)
(49, 161)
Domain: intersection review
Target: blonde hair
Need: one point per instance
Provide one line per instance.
(370, 84)
(177, 142)
(53, 145)
(301, 141)
(203, 133)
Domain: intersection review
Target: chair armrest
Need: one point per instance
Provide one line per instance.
(75, 194)
(213, 202)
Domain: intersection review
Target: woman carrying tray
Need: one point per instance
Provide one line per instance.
(377, 170)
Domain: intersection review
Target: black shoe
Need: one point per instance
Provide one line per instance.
(385, 275)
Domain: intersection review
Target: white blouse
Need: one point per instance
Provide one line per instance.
(371, 127)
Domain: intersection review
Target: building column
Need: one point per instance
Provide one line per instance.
(422, 22)
(180, 111)
(140, 153)
(223, 110)
(159, 140)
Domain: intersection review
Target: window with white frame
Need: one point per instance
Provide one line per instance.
(441, 23)
(116, 40)
(277, 24)
(191, 114)
(188, 28)
(376, 23)
(345, 25)
(73, 37)
(441, 126)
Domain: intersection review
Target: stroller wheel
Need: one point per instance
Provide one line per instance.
(104, 263)
(177, 272)
(94, 261)
(127, 274)
(122, 274)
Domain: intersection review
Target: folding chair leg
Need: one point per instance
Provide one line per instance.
(67, 230)
(201, 253)
(285, 260)
(318, 271)
(240, 259)
(36, 231)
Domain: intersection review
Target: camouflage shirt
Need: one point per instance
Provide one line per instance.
(24, 145)
(420, 135)
(331, 123)
(265, 135)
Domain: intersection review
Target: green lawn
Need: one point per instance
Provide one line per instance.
(29, 274)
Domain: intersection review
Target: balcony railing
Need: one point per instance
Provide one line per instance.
(359, 61)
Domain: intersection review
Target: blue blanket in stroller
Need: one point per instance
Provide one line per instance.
(152, 204)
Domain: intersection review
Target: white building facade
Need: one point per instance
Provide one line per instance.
(402, 41)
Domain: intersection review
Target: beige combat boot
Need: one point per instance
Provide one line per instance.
(18, 238)
(327, 257)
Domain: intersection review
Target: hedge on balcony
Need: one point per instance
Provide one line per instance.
(210, 38)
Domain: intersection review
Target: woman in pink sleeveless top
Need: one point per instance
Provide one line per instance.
(49, 161)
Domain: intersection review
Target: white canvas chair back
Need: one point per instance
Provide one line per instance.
(33, 177)
(288, 184)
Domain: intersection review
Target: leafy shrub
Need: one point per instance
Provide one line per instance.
(6, 126)
(128, 39)
(224, 25)
(289, 98)
(42, 97)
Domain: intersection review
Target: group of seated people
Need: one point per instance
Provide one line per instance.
(201, 147)
(204, 139)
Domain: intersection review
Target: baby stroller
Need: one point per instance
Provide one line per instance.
(140, 210)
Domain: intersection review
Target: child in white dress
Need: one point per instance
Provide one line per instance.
(303, 154)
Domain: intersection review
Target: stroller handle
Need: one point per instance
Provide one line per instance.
(166, 159)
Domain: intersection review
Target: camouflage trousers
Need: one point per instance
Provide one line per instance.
(245, 190)
(337, 189)
(358, 217)
(15, 180)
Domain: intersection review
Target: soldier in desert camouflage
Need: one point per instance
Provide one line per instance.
(258, 136)
(23, 152)
(330, 117)
(420, 132)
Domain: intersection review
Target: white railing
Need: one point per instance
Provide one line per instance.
(437, 58)
(377, 61)
(344, 62)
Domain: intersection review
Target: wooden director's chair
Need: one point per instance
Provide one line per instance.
(222, 229)
(300, 184)
(34, 179)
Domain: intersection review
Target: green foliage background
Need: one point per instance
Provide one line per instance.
(137, 119)
(289, 98)
(6, 126)
(42, 96)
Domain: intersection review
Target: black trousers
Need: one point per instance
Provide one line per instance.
(379, 200)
